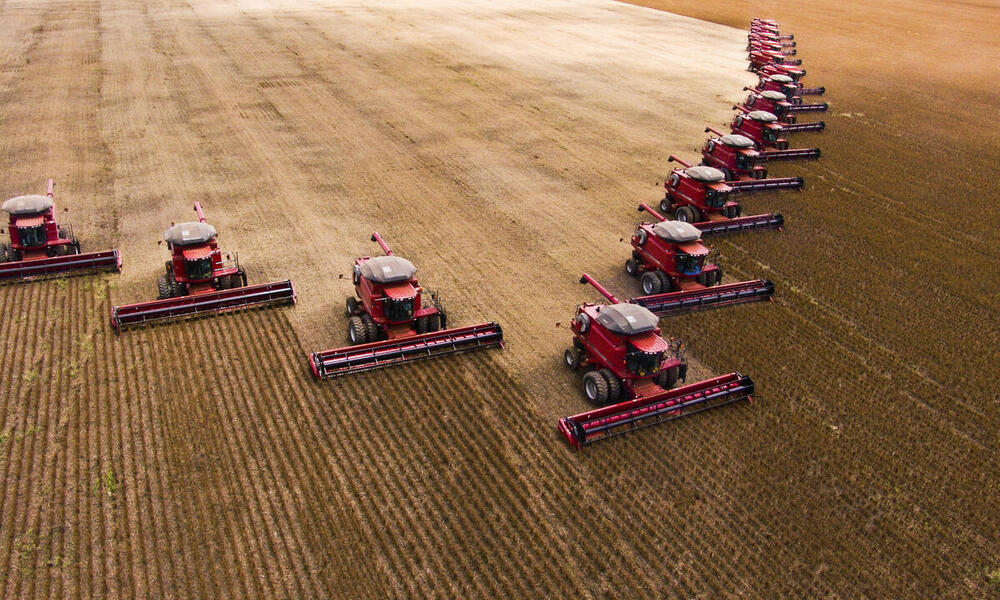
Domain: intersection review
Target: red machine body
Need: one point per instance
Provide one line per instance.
(777, 104)
(701, 193)
(40, 247)
(675, 274)
(781, 69)
(198, 280)
(629, 370)
(737, 156)
(765, 130)
(793, 90)
(389, 323)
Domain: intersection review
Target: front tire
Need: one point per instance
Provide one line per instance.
(650, 283)
(614, 386)
(162, 288)
(357, 333)
(666, 285)
(371, 328)
(595, 388)
(667, 378)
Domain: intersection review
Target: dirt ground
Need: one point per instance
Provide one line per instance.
(503, 147)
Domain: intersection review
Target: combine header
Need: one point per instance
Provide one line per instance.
(777, 104)
(388, 323)
(671, 264)
(792, 89)
(198, 281)
(698, 194)
(736, 156)
(765, 131)
(629, 372)
(40, 247)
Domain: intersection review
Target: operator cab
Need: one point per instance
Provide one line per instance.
(395, 274)
(746, 155)
(193, 239)
(689, 255)
(28, 218)
(646, 349)
(714, 180)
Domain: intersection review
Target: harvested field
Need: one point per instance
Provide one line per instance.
(503, 147)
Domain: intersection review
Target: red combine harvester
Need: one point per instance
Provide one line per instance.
(789, 70)
(777, 104)
(701, 195)
(388, 323)
(759, 44)
(671, 264)
(792, 89)
(763, 128)
(40, 247)
(198, 281)
(736, 155)
(768, 39)
(629, 370)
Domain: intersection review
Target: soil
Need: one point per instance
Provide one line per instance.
(503, 148)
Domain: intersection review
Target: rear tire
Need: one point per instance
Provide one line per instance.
(595, 388)
(351, 308)
(572, 358)
(357, 333)
(731, 212)
(685, 214)
(420, 325)
(3, 253)
(666, 285)
(650, 283)
(614, 386)
(666, 206)
(162, 288)
(632, 267)
(717, 277)
(177, 289)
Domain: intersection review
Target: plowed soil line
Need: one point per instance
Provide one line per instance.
(503, 147)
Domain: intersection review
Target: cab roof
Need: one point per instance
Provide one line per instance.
(705, 174)
(627, 319)
(773, 95)
(189, 234)
(677, 231)
(735, 140)
(781, 78)
(387, 269)
(27, 205)
(762, 116)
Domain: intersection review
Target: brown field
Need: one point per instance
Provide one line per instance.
(503, 147)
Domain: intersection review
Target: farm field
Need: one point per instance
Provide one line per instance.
(503, 148)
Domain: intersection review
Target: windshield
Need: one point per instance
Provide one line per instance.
(714, 198)
(689, 264)
(643, 363)
(744, 162)
(198, 269)
(770, 135)
(32, 236)
(399, 310)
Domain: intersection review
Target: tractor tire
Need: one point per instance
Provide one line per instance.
(3, 253)
(728, 174)
(75, 248)
(685, 214)
(595, 388)
(239, 279)
(666, 206)
(717, 277)
(572, 358)
(351, 307)
(177, 289)
(223, 283)
(357, 333)
(666, 285)
(434, 322)
(162, 288)
(731, 212)
(371, 328)
(632, 267)
(442, 321)
(614, 386)
(421, 325)
(650, 283)
(667, 378)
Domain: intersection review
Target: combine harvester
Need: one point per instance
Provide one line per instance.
(737, 157)
(671, 264)
(763, 128)
(701, 195)
(389, 325)
(793, 90)
(629, 371)
(199, 282)
(777, 104)
(40, 247)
